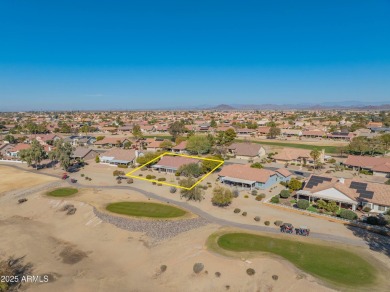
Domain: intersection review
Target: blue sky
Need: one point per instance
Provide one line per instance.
(148, 54)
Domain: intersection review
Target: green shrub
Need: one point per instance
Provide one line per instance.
(250, 272)
(130, 180)
(278, 223)
(154, 183)
(123, 166)
(348, 214)
(259, 198)
(163, 268)
(217, 274)
(159, 184)
(312, 209)
(140, 174)
(257, 218)
(373, 220)
(246, 196)
(266, 223)
(197, 268)
(275, 277)
(237, 210)
(244, 214)
(275, 200)
(284, 194)
(303, 204)
(254, 192)
(162, 179)
(366, 209)
(82, 175)
(148, 176)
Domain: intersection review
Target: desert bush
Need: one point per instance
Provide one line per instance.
(119, 181)
(266, 223)
(237, 210)
(372, 220)
(140, 174)
(162, 179)
(71, 211)
(67, 207)
(278, 223)
(159, 184)
(258, 198)
(123, 166)
(130, 180)
(20, 201)
(275, 199)
(284, 194)
(303, 204)
(153, 183)
(148, 176)
(144, 168)
(275, 277)
(254, 193)
(366, 209)
(82, 175)
(244, 214)
(235, 193)
(250, 272)
(197, 268)
(163, 268)
(172, 190)
(257, 218)
(217, 274)
(221, 196)
(348, 214)
(246, 196)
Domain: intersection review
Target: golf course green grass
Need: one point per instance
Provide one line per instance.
(63, 192)
(144, 209)
(336, 265)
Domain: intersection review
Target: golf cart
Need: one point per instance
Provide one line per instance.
(287, 228)
(302, 230)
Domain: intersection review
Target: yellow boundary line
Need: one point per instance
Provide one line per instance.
(173, 185)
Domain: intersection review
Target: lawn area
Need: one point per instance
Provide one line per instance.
(63, 192)
(333, 264)
(328, 149)
(143, 209)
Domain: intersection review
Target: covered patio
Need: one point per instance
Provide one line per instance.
(237, 182)
(341, 200)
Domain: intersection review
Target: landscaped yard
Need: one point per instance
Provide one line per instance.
(63, 192)
(333, 264)
(144, 209)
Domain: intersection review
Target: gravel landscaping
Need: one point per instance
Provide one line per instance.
(156, 229)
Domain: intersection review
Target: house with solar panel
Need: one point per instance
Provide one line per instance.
(348, 193)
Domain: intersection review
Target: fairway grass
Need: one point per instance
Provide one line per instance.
(335, 265)
(145, 209)
(63, 192)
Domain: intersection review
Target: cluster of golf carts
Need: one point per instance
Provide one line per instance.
(289, 228)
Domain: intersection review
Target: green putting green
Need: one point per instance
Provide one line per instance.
(329, 263)
(63, 192)
(145, 209)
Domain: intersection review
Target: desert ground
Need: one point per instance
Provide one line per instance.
(84, 253)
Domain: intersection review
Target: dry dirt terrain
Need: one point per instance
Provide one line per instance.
(83, 253)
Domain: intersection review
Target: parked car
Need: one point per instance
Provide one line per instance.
(65, 176)
(73, 181)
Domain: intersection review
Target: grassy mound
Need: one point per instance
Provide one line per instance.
(329, 263)
(63, 192)
(143, 209)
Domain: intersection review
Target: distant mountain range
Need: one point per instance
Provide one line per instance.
(303, 106)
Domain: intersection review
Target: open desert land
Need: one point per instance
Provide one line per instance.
(84, 252)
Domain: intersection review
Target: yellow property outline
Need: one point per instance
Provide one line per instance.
(173, 185)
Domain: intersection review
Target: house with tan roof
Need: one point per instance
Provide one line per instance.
(170, 164)
(244, 176)
(180, 148)
(296, 156)
(348, 193)
(112, 141)
(380, 166)
(246, 150)
(118, 156)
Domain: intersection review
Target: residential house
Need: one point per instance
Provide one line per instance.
(180, 148)
(118, 156)
(297, 156)
(82, 153)
(111, 142)
(348, 193)
(170, 164)
(244, 176)
(246, 150)
(380, 166)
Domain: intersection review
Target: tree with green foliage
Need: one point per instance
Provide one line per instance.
(303, 204)
(137, 133)
(257, 165)
(213, 123)
(225, 137)
(10, 139)
(284, 194)
(97, 159)
(198, 144)
(222, 196)
(273, 132)
(294, 184)
(62, 153)
(147, 157)
(386, 142)
(177, 129)
(35, 154)
(348, 214)
(321, 204)
(127, 145)
(166, 144)
(315, 155)
(209, 165)
(194, 194)
(190, 170)
(331, 206)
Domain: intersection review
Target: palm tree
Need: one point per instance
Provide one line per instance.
(315, 154)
